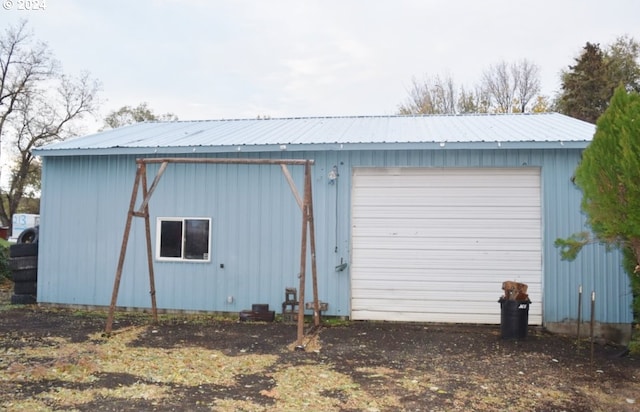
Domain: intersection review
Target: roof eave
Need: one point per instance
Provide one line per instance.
(484, 145)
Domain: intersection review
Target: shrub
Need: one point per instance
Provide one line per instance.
(5, 273)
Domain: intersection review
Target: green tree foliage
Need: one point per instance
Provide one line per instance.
(588, 85)
(622, 62)
(609, 174)
(5, 272)
(470, 102)
(630, 265)
(431, 96)
(609, 177)
(541, 105)
(129, 115)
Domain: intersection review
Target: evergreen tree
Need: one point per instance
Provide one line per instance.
(585, 87)
(609, 177)
(609, 174)
(588, 86)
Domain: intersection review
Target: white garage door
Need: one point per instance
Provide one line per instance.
(435, 245)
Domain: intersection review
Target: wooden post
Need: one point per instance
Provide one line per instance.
(593, 311)
(303, 257)
(123, 249)
(154, 184)
(147, 229)
(579, 316)
(305, 204)
(312, 235)
(292, 185)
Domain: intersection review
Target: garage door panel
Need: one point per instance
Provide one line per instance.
(420, 316)
(470, 222)
(370, 211)
(459, 243)
(464, 279)
(437, 291)
(440, 291)
(454, 230)
(441, 281)
(427, 195)
(434, 199)
(418, 234)
(429, 268)
(440, 317)
(447, 178)
(433, 306)
(397, 257)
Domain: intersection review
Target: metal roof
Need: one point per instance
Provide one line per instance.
(545, 130)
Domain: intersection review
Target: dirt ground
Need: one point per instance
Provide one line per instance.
(57, 359)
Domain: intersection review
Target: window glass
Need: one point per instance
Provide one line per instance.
(170, 238)
(183, 239)
(196, 239)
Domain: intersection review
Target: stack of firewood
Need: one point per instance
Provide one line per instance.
(515, 291)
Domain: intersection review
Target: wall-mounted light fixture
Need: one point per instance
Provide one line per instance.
(333, 175)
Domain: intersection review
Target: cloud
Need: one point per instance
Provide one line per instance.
(242, 58)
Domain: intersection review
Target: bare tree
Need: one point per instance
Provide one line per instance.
(38, 105)
(511, 86)
(528, 75)
(501, 85)
(504, 88)
(431, 96)
(23, 64)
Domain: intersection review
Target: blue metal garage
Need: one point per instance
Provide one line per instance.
(418, 218)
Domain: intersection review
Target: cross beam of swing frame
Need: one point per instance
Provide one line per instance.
(305, 204)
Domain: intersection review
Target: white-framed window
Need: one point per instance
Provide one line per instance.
(183, 239)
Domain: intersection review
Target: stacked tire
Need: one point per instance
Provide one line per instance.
(23, 263)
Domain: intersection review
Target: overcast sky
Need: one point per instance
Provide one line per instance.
(213, 59)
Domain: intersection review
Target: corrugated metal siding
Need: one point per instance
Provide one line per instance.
(85, 219)
(271, 134)
(595, 268)
(435, 244)
(256, 236)
(85, 200)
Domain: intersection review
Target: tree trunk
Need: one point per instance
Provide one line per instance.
(635, 247)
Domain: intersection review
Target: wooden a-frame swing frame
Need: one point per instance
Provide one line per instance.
(308, 231)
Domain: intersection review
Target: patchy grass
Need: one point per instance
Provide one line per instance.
(56, 359)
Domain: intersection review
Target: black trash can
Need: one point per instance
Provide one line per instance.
(514, 318)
